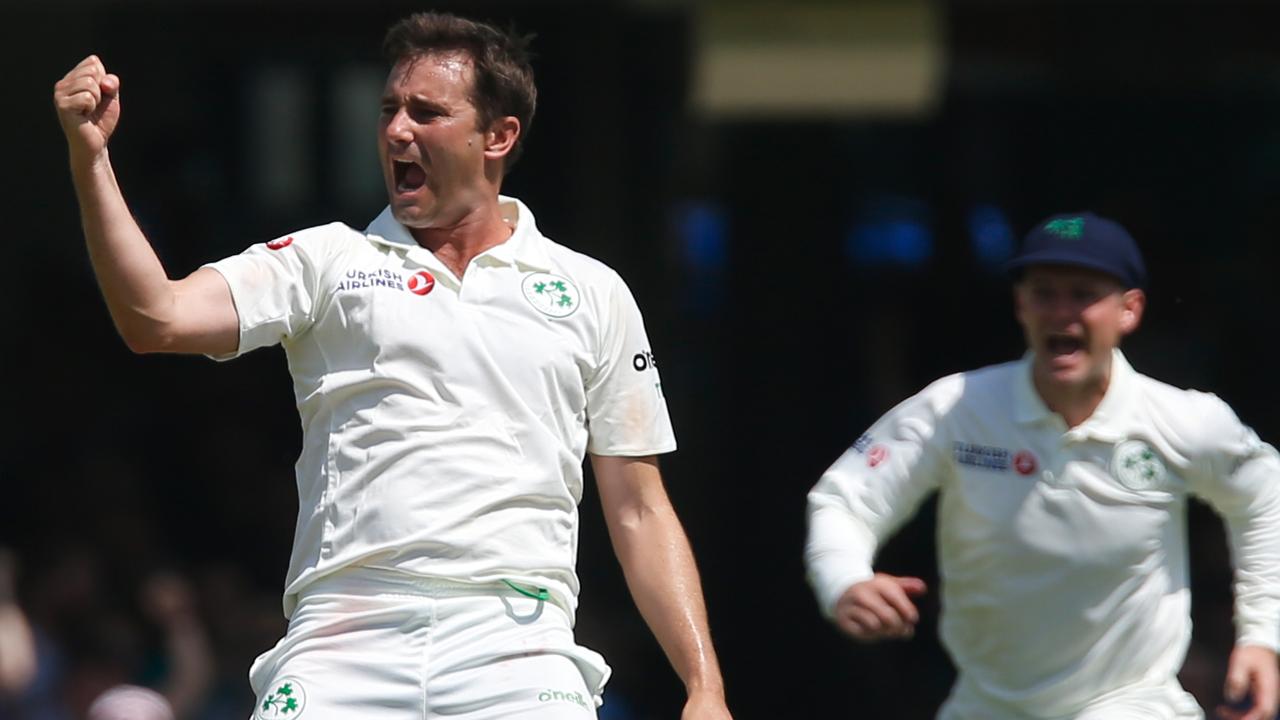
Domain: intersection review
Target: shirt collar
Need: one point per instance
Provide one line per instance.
(526, 246)
(1107, 420)
(1028, 407)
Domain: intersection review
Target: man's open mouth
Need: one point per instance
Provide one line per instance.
(409, 175)
(1059, 344)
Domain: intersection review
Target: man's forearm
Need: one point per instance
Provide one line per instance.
(138, 292)
(838, 549)
(659, 567)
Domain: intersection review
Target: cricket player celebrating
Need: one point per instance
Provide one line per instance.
(452, 366)
(1063, 481)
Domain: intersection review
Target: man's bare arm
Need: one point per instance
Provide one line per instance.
(151, 312)
(660, 571)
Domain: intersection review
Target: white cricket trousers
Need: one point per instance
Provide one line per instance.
(381, 645)
(1148, 700)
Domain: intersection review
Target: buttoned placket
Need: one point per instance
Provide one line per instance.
(1069, 445)
(1066, 447)
(479, 276)
(1105, 425)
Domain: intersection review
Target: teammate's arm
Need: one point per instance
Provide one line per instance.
(862, 498)
(864, 605)
(151, 312)
(658, 564)
(1239, 475)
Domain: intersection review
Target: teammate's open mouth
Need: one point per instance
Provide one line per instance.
(409, 175)
(1064, 344)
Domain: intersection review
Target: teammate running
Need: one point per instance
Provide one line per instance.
(1063, 481)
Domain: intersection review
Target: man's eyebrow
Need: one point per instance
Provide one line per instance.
(421, 101)
(424, 101)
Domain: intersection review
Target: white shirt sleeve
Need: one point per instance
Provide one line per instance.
(1240, 478)
(626, 410)
(873, 488)
(275, 286)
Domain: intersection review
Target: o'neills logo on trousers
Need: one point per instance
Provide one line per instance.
(419, 283)
(569, 696)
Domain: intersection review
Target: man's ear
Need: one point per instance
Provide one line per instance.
(1135, 302)
(501, 137)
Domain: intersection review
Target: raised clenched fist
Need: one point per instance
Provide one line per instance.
(88, 104)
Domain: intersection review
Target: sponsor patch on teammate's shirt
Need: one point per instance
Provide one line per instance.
(982, 456)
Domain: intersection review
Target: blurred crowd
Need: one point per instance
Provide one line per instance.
(81, 638)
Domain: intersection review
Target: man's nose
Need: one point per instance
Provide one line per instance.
(397, 129)
(1061, 307)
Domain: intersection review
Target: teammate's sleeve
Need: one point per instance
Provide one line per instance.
(626, 410)
(873, 488)
(276, 285)
(1239, 476)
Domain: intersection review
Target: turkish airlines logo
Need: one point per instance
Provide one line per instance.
(1025, 462)
(421, 283)
(280, 244)
(877, 455)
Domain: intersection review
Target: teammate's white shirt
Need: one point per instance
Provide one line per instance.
(445, 419)
(1062, 551)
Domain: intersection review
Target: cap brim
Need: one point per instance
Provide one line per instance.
(1014, 267)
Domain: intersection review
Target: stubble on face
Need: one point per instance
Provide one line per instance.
(429, 141)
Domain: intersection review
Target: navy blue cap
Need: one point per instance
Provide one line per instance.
(1082, 240)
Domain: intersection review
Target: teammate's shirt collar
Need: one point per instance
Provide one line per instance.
(525, 247)
(1108, 421)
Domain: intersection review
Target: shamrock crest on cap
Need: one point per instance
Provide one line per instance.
(1070, 228)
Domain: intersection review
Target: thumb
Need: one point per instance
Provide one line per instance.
(110, 85)
(1237, 682)
(912, 586)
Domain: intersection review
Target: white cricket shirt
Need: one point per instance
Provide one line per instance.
(445, 420)
(1062, 552)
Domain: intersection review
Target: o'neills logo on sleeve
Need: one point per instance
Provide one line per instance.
(862, 443)
(418, 283)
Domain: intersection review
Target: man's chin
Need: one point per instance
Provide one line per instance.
(1065, 369)
(411, 215)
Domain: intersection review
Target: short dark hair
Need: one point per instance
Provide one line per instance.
(503, 75)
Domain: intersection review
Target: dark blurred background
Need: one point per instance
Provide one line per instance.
(810, 199)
